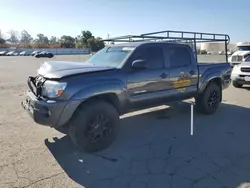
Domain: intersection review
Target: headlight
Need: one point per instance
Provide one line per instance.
(53, 89)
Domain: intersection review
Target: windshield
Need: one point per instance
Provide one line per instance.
(243, 48)
(110, 56)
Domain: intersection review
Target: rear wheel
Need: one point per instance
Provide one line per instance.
(208, 102)
(94, 126)
(237, 85)
(63, 129)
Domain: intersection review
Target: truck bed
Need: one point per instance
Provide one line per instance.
(218, 66)
(223, 69)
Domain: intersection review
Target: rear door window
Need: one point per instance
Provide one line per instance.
(179, 57)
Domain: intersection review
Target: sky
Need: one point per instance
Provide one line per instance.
(123, 17)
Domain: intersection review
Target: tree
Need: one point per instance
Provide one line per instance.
(1, 35)
(2, 42)
(41, 39)
(85, 35)
(53, 40)
(13, 36)
(79, 45)
(25, 37)
(67, 41)
(95, 44)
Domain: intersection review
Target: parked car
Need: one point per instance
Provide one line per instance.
(86, 99)
(15, 53)
(2, 53)
(241, 74)
(221, 52)
(24, 53)
(44, 54)
(34, 53)
(10, 53)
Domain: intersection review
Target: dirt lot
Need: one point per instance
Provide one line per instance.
(154, 148)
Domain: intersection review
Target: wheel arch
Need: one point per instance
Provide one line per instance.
(111, 98)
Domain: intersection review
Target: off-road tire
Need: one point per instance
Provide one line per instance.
(63, 129)
(237, 85)
(81, 122)
(203, 103)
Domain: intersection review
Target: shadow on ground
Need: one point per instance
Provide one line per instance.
(156, 150)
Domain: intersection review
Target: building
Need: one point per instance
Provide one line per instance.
(215, 47)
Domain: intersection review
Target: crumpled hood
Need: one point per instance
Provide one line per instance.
(59, 69)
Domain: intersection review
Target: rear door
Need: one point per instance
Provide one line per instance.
(147, 86)
(183, 71)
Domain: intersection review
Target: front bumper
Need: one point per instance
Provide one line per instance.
(240, 79)
(50, 113)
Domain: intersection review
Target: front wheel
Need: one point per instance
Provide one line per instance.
(94, 126)
(208, 102)
(63, 129)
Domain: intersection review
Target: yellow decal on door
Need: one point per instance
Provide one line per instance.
(183, 81)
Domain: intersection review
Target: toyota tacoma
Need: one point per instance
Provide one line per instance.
(86, 99)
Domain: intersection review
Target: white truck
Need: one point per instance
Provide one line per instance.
(242, 54)
(241, 74)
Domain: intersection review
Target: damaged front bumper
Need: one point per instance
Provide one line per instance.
(53, 113)
(43, 112)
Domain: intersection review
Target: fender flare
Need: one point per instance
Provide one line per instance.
(207, 78)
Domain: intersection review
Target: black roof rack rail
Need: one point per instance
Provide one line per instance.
(173, 35)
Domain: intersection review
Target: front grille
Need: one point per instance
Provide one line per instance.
(245, 69)
(35, 84)
(237, 58)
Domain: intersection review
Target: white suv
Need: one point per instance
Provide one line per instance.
(241, 74)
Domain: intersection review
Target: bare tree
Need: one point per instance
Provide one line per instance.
(25, 37)
(13, 37)
(1, 34)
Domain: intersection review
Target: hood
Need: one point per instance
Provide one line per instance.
(60, 69)
(241, 53)
(245, 64)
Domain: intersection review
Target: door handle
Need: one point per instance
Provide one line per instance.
(163, 75)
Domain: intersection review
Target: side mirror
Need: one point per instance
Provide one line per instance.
(139, 64)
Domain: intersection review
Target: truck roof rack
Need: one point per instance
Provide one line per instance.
(190, 38)
(172, 36)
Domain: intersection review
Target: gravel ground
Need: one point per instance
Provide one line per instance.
(154, 148)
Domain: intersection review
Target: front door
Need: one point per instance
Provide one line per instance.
(147, 86)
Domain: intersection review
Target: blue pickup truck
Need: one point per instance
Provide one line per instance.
(85, 100)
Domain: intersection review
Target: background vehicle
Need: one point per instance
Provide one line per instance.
(10, 53)
(241, 74)
(24, 53)
(34, 53)
(241, 54)
(2, 53)
(16, 53)
(86, 99)
(44, 54)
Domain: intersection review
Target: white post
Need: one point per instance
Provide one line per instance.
(192, 120)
